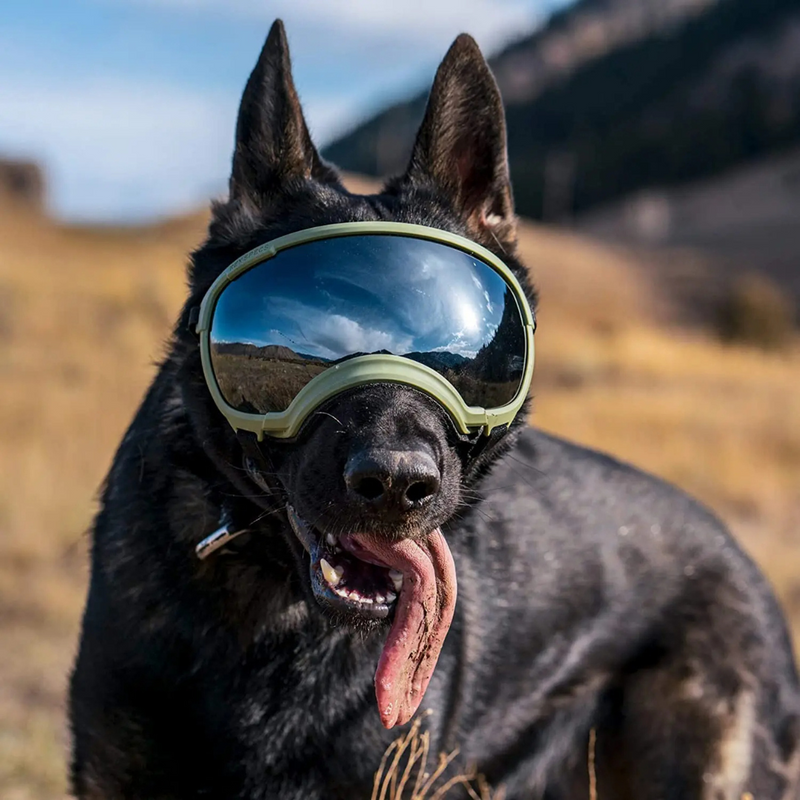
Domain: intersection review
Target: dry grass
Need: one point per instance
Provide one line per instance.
(407, 773)
(84, 312)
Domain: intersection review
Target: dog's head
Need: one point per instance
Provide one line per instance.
(376, 472)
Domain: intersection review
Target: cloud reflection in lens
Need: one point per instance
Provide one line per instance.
(286, 320)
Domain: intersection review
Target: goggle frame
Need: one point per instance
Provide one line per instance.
(363, 370)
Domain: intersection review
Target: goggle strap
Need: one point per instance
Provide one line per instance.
(252, 449)
(194, 318)
(484, 441)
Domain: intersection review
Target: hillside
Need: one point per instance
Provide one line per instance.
(613, 96)
(85, 312)
(704, 236)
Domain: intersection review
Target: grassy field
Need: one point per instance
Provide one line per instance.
(84, 314)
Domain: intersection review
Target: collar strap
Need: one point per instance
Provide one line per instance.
(220, 537)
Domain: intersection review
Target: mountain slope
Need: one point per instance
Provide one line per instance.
(703, 237)
(615, 96)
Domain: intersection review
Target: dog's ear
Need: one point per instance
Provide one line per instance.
(273, 145)
(461, 144)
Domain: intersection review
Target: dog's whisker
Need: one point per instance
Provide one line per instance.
(335, 419)
(266, 514)
(525, 464)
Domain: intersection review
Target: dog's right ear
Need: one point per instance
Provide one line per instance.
(273, 145)
(461, 145)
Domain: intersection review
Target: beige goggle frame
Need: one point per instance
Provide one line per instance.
(379, 368)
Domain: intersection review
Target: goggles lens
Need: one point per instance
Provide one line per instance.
(284, 321)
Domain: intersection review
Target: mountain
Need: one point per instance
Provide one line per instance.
(439, 360)
(268, 352)
(613, 96)
(703, 237)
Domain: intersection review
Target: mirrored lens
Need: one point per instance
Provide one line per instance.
(285, 321)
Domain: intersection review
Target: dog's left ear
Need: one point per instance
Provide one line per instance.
(461, 145)
(273, 145)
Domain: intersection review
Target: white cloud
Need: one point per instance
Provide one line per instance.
(490, 21)
(332, 335)
(117, 149)
(339, 334)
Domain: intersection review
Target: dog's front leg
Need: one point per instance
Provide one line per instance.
(687, 731)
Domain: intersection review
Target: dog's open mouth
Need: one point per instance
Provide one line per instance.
(413, 579)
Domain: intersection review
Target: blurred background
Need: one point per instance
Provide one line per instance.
(655, 152)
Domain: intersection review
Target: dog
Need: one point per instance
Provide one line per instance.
(594, 601)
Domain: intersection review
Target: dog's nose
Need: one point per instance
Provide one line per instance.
(403, 480)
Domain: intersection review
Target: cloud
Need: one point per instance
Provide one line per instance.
(328, 335)
(337, 335)
(120, 149)
(418, 21)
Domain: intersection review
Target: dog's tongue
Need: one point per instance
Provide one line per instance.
(422, 618)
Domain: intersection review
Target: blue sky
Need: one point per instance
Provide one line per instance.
(131, 104)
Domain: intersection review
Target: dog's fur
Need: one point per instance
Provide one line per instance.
(591, 596)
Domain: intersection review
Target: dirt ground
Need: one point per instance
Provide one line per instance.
(84, 313)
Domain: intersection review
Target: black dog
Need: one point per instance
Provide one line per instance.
(591, 597)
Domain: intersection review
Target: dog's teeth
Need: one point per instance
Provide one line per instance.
(379, 598)
(367, 600)
(391, 597)
(339, 571)
(397, 579)
(331, 575)
(355, 596)
(330, 539)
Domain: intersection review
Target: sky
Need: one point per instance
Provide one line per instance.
(130, 105)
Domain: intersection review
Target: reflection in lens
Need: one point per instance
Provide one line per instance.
(283, 322)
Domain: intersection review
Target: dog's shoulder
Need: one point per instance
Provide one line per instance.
(568, 482)
(566, 533)
(592, 519)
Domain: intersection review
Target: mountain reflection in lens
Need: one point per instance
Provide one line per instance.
(286, 320)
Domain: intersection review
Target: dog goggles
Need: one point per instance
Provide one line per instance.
(307, 316)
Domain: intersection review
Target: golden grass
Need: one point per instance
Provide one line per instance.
(84, 312)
